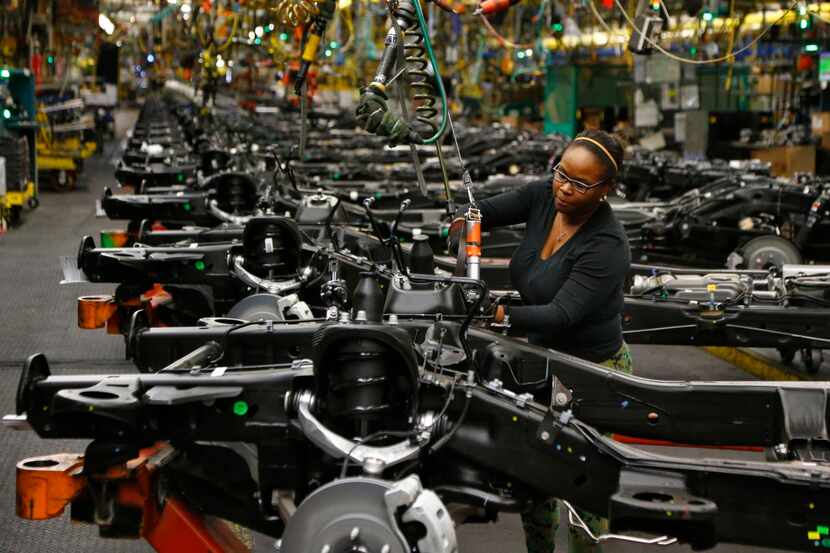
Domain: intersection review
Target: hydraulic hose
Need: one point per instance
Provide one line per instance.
(428, 46)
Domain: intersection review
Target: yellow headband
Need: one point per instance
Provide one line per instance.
(601, 147)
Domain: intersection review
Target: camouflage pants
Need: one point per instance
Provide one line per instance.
(541, 518)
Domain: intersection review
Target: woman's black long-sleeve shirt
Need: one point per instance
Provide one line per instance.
(573, 299)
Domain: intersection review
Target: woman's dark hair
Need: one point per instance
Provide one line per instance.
(612, 144)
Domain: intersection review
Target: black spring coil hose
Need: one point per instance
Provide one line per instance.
(420, 80)
(364, 394)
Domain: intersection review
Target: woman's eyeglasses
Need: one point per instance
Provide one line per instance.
(579, 186)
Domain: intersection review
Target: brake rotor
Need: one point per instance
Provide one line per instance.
(769, 255)
(257, 307)
(345, 516)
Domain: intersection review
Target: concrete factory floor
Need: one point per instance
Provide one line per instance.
(38, 315)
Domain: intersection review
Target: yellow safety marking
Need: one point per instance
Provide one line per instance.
(753, 363)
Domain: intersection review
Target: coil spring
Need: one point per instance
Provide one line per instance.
(295, 12)
(277, 259)
(362, 389)
(420, 80)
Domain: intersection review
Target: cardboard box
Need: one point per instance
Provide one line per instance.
(820, 123)
(764, 84)
(786, 161)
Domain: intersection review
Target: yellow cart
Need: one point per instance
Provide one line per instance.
(59, 161)
(12, 202)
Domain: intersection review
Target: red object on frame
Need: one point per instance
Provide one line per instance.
(647, 441)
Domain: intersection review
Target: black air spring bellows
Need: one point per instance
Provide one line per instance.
(366, 378)
(271, 246)
(236, 193)
(362, 389)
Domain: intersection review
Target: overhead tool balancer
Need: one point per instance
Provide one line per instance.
(408, 49)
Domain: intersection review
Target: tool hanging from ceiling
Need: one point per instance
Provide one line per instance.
(408, 55)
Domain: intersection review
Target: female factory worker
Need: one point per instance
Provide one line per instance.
(569, 269)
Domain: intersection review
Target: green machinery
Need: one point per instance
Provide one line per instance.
(17, 96)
